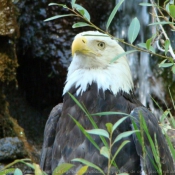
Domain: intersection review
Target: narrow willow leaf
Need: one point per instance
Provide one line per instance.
(37, 169)
(147, 4)
(114, 11)
(145, 128)
(172, 120)
(62, 168)
(164, 115)
(160, 23)
(109, 127)
(105, 152)
(18, 172)
(7, 171)
(110, 113)
(172, 10)
(133, 30)
(89, 117)
(167, 44)
(80, 24)
(166, 65)
(119, 149)
(143, 45)
(73, 3)
(122, 54)
(82, 170)
(85, 133)
(58, 16)
(28, 164)
(123, 135)
(157, 159)
(170, 145)
(78, 103)
(101, 132)
(123, 174)
(162, 62)
(148, 43)
(89, 164)
(138, 134)
(62, 5)
(173, 69)
(118, 123)
(82, 11)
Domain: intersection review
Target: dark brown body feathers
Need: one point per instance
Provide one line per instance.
(63, 141)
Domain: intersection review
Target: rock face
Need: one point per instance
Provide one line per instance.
(11, 148)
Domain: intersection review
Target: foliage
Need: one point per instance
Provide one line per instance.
(166, 16)
(17, 171)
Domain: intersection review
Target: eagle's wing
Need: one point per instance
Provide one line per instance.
(49, 137)
(153, 128)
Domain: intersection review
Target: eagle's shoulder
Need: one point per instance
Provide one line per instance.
(154, 129)
(49, 137)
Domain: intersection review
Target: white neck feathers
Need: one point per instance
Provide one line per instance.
(116, 77)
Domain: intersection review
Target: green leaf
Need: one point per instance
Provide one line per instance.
(167, 44)
(109, 127)
(164, 115)
(160, 23)
(37, 169)
(89, 164)
(123, 135)
(148, 43)
(143, 45)
(82, 170)
(170, 145)
(58, 16)
(173, 69)
(80, 24)
(166, 65)
(114, 11)
(73, 3)
(133, 30)
(62, 5)
(89, 117)
(172, 10)
(162, 62)
(18, 172)
(105, 152)
(147, 4)
(99, 132)
(85, 133)
(82, 11)
(172, 120)
(7, 171)
(122, 54)
(110, 113)
(118, 123)
(62, 168)
(118, 150)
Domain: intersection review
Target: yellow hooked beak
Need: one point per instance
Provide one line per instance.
(80, 45)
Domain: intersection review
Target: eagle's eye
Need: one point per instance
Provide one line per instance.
(101, 45)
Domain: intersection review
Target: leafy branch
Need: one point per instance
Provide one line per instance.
(133, 31)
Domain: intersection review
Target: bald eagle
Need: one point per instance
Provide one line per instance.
(101, 86)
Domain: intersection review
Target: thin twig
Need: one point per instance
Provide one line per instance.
(163, 31)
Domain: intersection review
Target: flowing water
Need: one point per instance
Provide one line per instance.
(147, 84)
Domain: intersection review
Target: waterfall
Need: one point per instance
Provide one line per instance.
(147, 84)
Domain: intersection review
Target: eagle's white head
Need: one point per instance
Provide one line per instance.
(92, 55)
